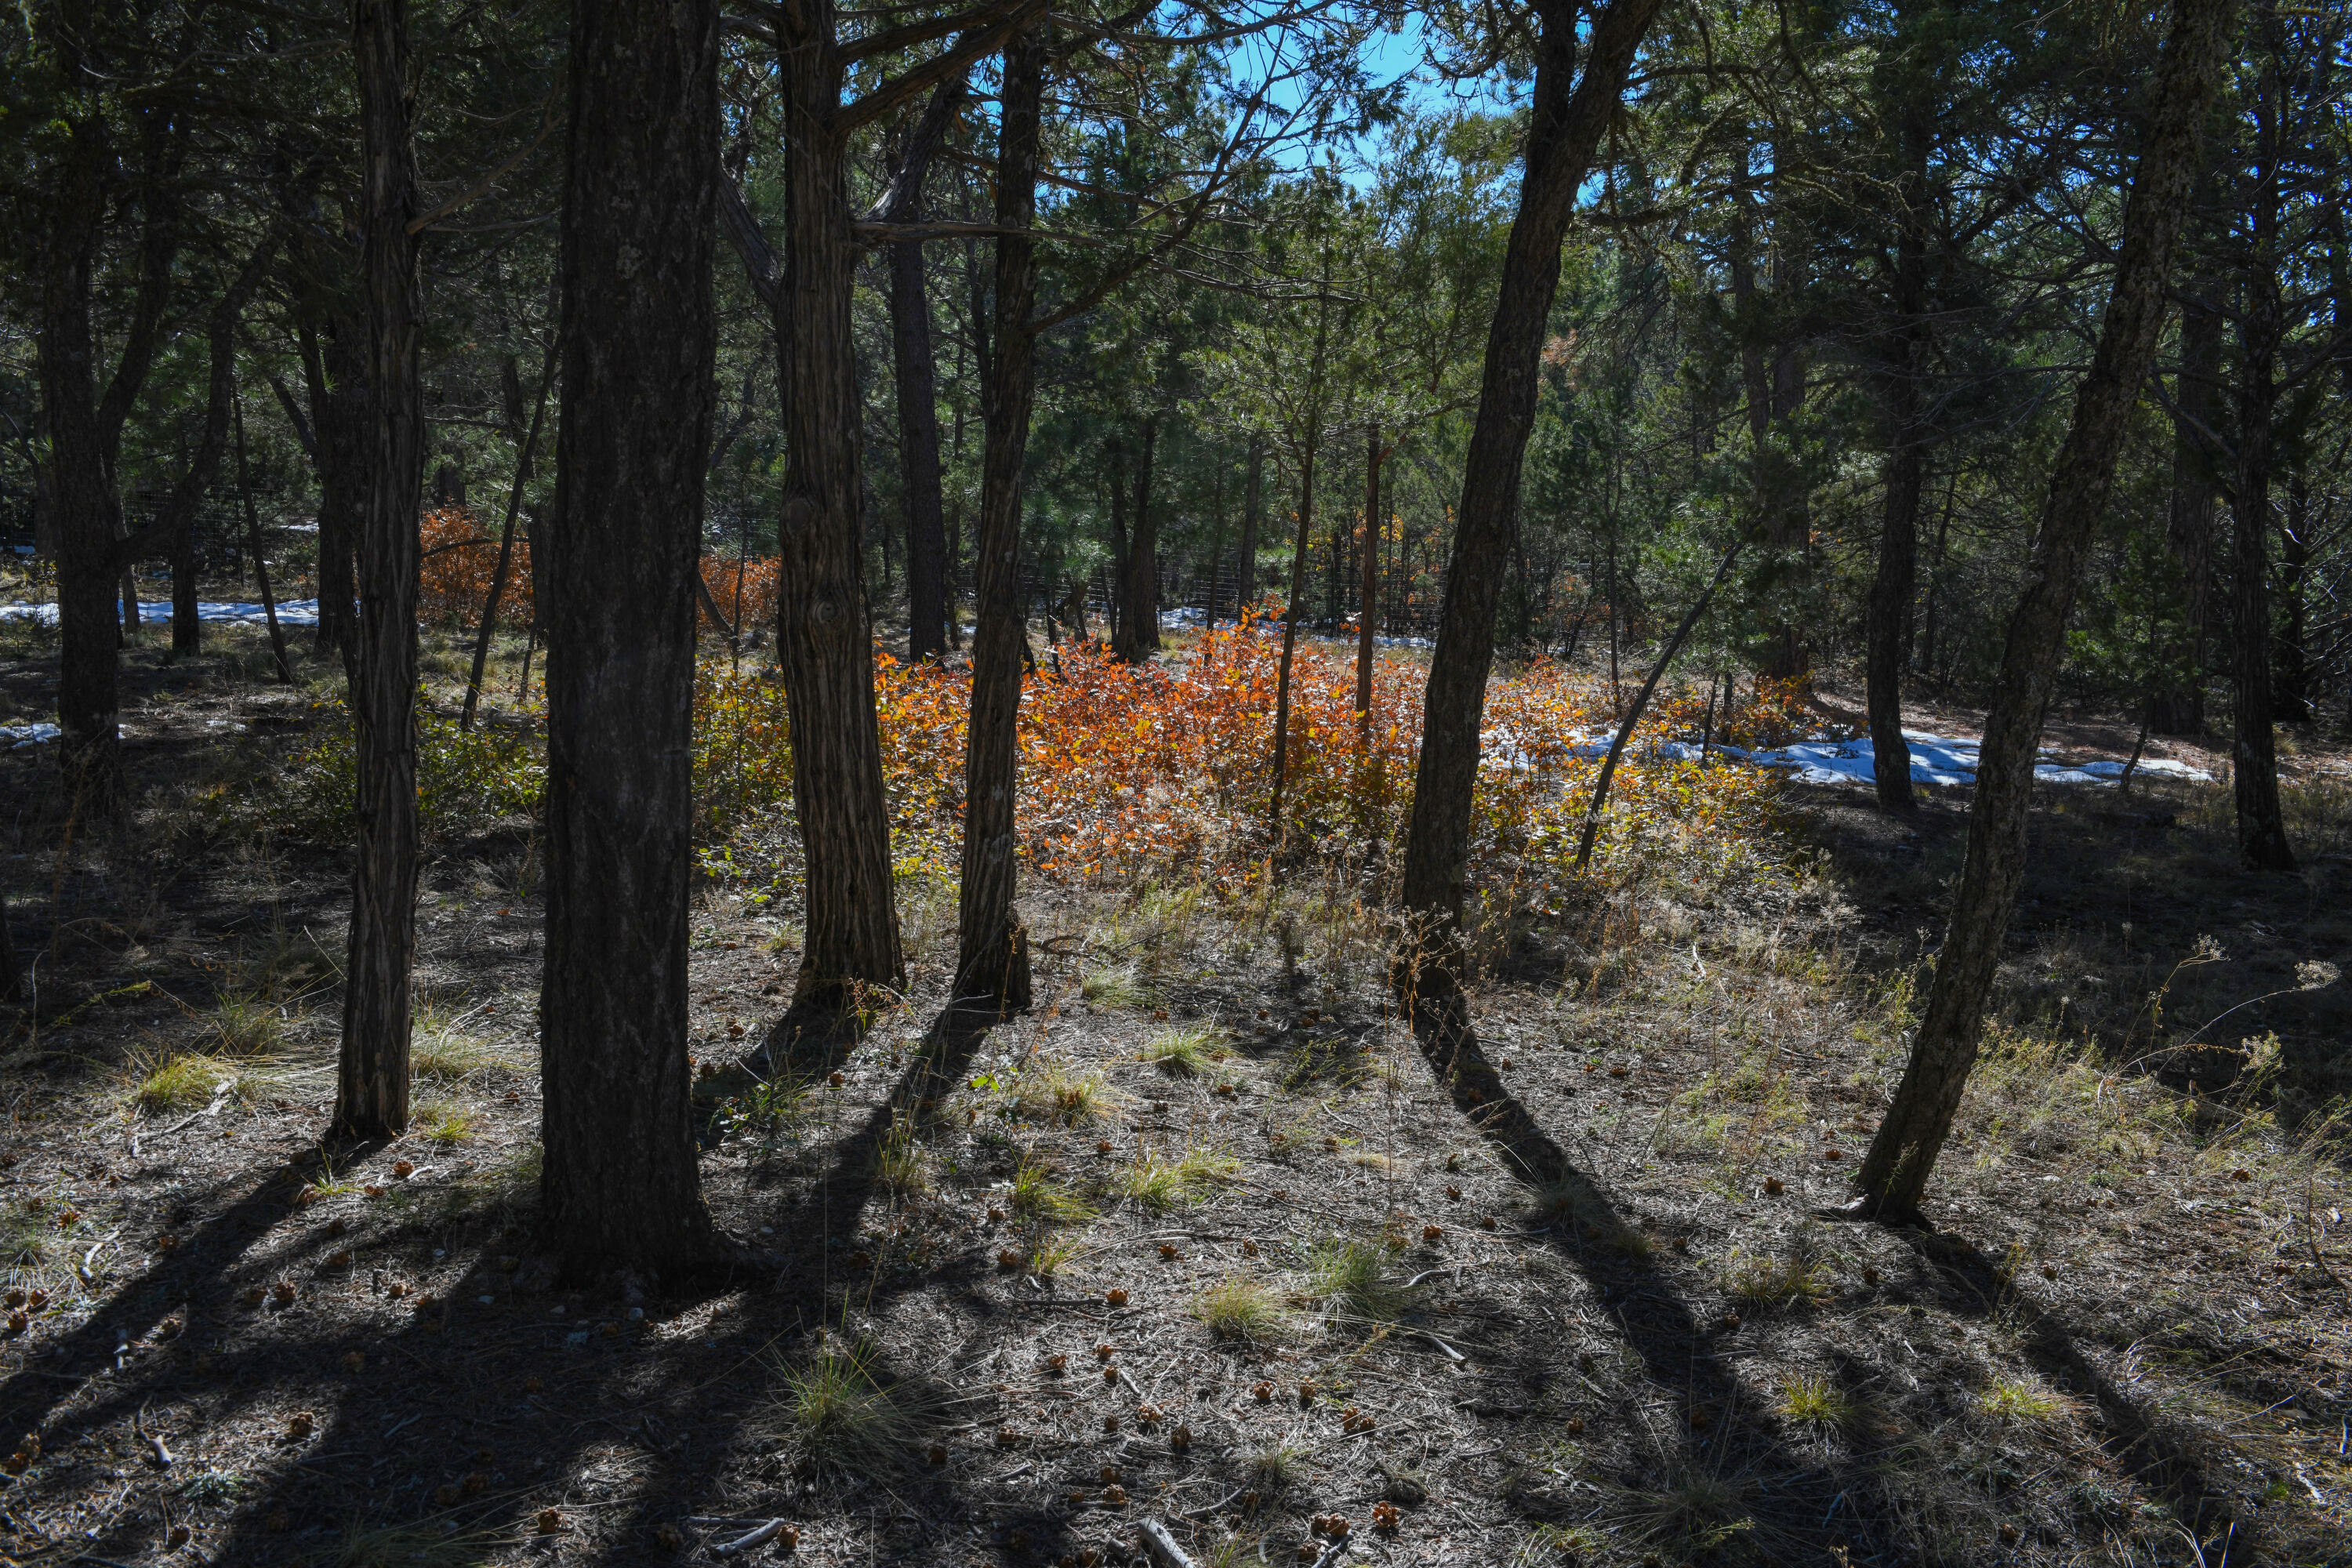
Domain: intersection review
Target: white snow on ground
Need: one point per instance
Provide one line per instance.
(292, 612)
(25, 734)
(1935, 760)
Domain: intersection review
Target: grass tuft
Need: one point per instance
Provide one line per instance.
(1351, 1281)
(1161, 1185)
(443, 1121)
(2015, 1400)
(1240, 1309)
(1117, 985)
(1814, 1401)
(844, 1411)
(1053, 1093)
(1183, 1053)
(1041, 1200)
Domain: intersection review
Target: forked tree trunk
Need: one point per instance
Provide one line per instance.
(372, 1088)
(2253, 755)
(2179, 708)
(1565, 128)
(618, 560)
(1895, 1172)
(824, 638)
(992, 948)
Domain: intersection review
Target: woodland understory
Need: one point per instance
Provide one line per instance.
(1201, 1239)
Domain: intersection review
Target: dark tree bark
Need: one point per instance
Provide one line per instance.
(505, 562)
(917, 385)
(825, 639)
(1253, 503)
(86, 431)
(1891, 590)
(1566, 126)
(2179, 709)
(1368, 599)
(1895, 1172)
(991, 947)
(2254, 755)
(1139, 621)
(371, 1090)
(621, 551)
(2293, 682)
(1115, 463)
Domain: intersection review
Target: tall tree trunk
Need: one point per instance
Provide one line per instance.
(914, 367)
(1139, 622)
(337, 371)
(2254, 755)
(87, 513)
(620, 553)
(825, 637)
(1253, 503)
(1565, 127)
(371, 1091)
(1891, 590)
(991, 947)
(2179, 708)
(1902, 1155)
(1368, 599)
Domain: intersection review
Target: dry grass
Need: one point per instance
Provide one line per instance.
(1241, 1309)
(1159, 1183)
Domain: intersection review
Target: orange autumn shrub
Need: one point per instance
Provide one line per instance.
(461, 555)
(1133, 771)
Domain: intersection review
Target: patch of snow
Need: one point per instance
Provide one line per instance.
(28, 734)
(292, 612)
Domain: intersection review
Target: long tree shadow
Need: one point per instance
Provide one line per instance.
(672, 1420)
(1795, 1495)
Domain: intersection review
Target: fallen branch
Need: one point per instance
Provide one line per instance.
(1162, 1546)
(760, 1536)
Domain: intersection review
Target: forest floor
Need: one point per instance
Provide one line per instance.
(1201, 1239)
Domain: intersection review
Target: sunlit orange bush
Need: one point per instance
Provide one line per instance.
(1129, 771)
(461, 554)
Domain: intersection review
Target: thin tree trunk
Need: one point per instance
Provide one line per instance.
(1290, 617)
(1892, 589)
(2180, 707)
(618, 562)
(260, 561)
(371, 1090)
(336, 370)
(825, 637)
(992, 946)
(1895, 1172)
(1121, 645)
(12, 974)
(1368, 600)
(1253, 500)
(913, 363)
(2254, 761)
(1140, 623)
(2294, 678)
(483, 633)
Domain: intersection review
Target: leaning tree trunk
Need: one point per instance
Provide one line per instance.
(917, 385)
(2253, 753)
(372, 1092)
(824, 638)
(618, 560)
(1562, 133)
(992, 948)
(1895, 1172)
(2179, 709)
